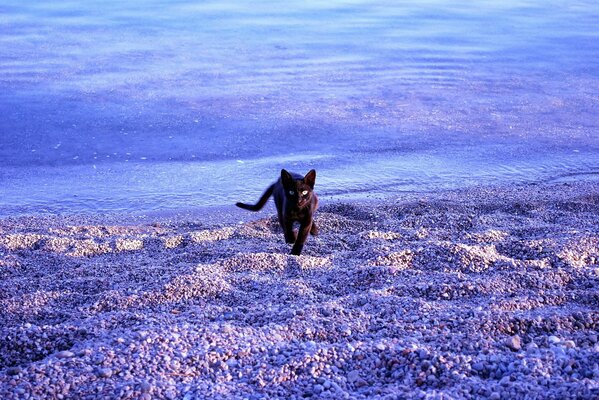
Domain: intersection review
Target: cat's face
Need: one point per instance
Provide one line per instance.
(299, 191)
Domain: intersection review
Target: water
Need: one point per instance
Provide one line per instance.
(110, 106)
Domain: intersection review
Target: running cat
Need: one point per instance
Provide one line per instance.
(296, 202)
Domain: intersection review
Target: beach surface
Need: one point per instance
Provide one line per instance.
(488, 292)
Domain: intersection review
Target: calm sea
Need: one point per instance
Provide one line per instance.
(141, 106)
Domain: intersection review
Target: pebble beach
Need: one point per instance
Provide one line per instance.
(483, 293)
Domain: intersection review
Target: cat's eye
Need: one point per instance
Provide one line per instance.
(291, 192)
(305, 192)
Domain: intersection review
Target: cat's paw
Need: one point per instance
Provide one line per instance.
(296, 251)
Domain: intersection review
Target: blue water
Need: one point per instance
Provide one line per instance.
(112, 106)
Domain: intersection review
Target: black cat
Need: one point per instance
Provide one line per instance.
(296, 202)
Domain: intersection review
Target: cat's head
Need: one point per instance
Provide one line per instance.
(299, 190)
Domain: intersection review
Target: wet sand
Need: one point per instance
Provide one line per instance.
(488, 292)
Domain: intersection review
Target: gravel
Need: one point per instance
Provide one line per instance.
(480, 293)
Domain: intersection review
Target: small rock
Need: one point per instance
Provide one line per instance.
(99, 359)
(532, 347)
(65, 354)
(495, 396)
(570, 344)
(84, 352)
(568, 369)
(222, 366)
(553, 339)
(232, 362)
(13, 371)
(425, 365)
(558, 351)
(514, 343)
(336, 387)
(318, 389)
(431, 379)
(145, 387)
(380, 346)
(104, 372)
(353, 376)
(345, 330)
(361, 383)
(479, 366)
(228, 315)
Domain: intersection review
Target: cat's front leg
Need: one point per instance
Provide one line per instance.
(290, 234)
(304, 230)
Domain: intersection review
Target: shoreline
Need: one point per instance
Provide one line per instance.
(222, 215)
(134, 189)
(486, 292)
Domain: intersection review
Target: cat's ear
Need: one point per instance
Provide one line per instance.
(286, 178)
(310, 178)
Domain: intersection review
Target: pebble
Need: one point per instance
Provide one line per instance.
(104, 372)
(345, 330)
(532, 347)
(479, 366)
(99, 359)
(361, 383)
(553, 339)
(558, 351)
(232, 362)
(84, 352)
(65, 354)
(353, 376)
(145, 387)
(514, 343)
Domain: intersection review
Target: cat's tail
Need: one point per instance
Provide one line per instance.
(258, 206)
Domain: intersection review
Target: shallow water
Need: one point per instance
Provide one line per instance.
(154, 105)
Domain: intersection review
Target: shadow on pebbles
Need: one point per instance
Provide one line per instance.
(484, 293)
